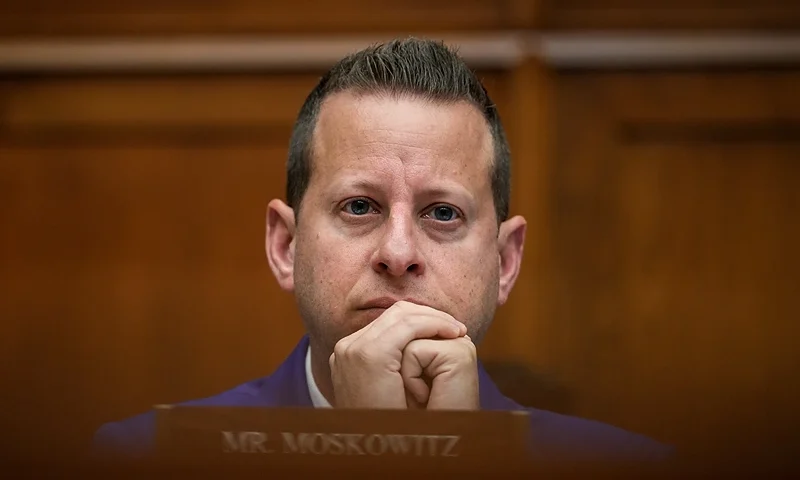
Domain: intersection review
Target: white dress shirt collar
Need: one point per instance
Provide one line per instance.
(317, 398)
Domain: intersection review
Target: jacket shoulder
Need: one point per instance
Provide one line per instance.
(134, 437)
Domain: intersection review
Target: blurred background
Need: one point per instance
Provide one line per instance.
(656, 149)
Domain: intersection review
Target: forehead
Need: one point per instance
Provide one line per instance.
(368, 132)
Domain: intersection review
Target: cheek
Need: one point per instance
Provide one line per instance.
(471, 256)
(330, 264)
(466, 273)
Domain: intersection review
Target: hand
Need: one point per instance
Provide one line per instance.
(441, 374)
(366, 366)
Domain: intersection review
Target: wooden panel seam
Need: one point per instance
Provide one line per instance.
(495, 50)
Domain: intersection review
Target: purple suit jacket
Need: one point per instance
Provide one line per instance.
(553, 436)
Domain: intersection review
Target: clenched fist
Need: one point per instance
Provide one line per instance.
(412, 356)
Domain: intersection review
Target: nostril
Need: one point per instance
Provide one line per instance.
(412, 268)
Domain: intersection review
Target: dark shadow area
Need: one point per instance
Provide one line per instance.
(529, 388)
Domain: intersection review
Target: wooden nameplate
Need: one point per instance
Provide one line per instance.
(329, 438)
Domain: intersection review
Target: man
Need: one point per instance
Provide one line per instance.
(396, 242)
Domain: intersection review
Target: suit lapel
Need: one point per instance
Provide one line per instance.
(287, 386)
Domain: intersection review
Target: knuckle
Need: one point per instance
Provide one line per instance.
(413, 347)
(355, 352)
(340, 349)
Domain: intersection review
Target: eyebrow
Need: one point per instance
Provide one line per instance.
(436, 188)
(360, 183)
(449, 188)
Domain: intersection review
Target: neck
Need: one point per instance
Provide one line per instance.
(321, 370)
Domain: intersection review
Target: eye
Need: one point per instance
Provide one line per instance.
(358, 206)
(443, 213)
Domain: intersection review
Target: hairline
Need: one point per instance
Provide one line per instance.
(380, 92)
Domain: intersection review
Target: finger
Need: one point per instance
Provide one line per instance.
(388, 318)
(454, 375)
(413, 404)
(414, 327)
(430, 325)
(345, 343)
(342, 346)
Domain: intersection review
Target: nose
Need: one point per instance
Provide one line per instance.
(398, 252)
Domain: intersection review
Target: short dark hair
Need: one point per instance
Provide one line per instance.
(417, 67)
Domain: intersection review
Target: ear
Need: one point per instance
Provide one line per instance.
(511, 241)
(279, 243)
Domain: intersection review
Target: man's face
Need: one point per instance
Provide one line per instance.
(399, 206)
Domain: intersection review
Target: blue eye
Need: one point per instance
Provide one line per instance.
(358, 206)
(443, 213)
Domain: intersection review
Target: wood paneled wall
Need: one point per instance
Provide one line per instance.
(674, 253)
(659, 283)
(172, 17)
(665, 15)
(133, 241)
(182, 17)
